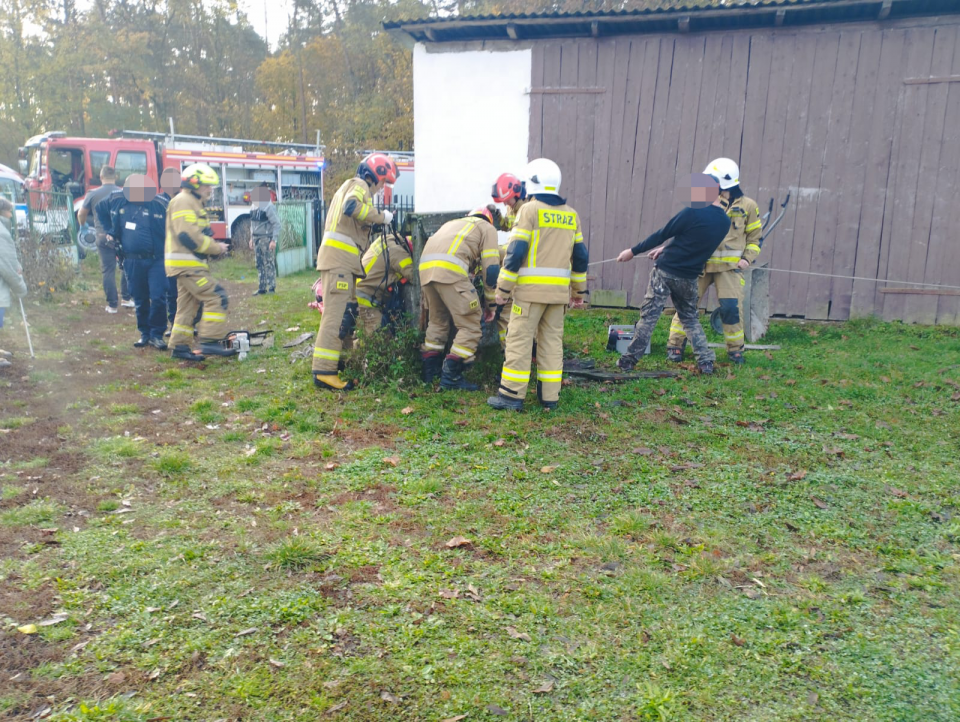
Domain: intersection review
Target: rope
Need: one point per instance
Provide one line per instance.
(833, 275)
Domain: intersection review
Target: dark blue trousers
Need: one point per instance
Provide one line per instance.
(147, 281)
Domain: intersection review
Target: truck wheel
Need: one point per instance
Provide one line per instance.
(87, 240)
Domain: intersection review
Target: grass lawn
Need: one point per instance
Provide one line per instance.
(775, 542)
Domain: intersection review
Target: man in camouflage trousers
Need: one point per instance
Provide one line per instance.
(265, 230)
(696, 232)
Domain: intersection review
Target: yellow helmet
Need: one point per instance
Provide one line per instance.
(199, 174)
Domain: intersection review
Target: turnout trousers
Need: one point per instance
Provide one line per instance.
(196, 289)
(531, 321)
(683, 293)
(729, 285)
(339, 290)
(453, 305)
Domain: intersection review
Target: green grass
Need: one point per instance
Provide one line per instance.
(15, 422)
(776, 542)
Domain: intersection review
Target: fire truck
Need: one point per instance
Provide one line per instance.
(54, 162)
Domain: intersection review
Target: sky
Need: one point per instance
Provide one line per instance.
(268, 17)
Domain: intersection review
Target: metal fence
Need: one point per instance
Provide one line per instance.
(295, 247)
(50, 221)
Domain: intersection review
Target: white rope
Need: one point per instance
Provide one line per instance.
(833, 275)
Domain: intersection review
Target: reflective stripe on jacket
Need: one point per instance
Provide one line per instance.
(743, 238)
(546, 261)
(187, 246)
(456, 249)
(349, 217)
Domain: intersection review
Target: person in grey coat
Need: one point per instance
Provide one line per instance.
(12, 284)
(264, 232)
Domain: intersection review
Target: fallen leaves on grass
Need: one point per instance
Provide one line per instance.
(544, 688)
(498, 711)
(450, 593)
(797, 475)
(28, 629)
(458, 541)
(896, 492)
(819, 503)
(547, 469)
(522, 636)
(406, 411)
(739, 641)
(391, 460)
(499, 442)
(332, 466)
(455, 719)
(389, 697)
(885, 379)
(245, 632)
(337, 707)
(643, 451)
(833, 451)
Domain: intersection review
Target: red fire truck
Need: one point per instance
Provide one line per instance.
(53, 162)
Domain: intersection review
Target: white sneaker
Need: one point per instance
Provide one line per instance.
(128, 304)
(110, 309)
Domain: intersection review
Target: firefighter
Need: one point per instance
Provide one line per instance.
(189, 244)
(510, 191)
(135, 218)
(545, 269)
(388, 262)
(724, 268)
(349, 218)
(449, 257)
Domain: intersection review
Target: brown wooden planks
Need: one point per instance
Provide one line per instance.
(944, 248)
(767, 178)
(818, 302)
(853, 170)
(801, 63)
(586, 120)
(883, 114)
(705, 145)
(750, 142)
(612, 277)
(694, 49)
(535, 143)
(895, 245)
(566, 153)
(811, 167)
(596, 235)
(551, 103)
(923, 309)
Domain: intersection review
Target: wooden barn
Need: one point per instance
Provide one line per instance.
(851, 106)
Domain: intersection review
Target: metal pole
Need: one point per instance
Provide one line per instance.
(26, 327)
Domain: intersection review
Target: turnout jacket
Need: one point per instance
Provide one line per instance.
(546, 261)
(189, 238)
(455, 249)
(372, 289)
(743, 238)
(349, 219)
(510, 219)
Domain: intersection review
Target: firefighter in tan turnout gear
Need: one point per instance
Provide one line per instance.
(349, 218)
(449, 257)
(189, 243)
(509, 191)
(386, 262)
(545, 269)
(724, 268)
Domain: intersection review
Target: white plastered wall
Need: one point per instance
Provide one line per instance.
(471, 113)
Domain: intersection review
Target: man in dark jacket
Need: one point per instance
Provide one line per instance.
(265, 230)
(136, 218)
(696, 232)
(106, 250)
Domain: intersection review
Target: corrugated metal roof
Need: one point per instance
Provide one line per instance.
(661, 19)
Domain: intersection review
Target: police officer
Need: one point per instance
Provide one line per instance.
(264, 231)
(349, 218)
(510, 191)
(724, 268)
(545, 269)
(387, 263)
(449, 257)
(189, 245)
(136, 219)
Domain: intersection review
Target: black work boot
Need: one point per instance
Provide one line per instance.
(735, 356)
(142, 342)
(505, 403)
(451, 377)
(185, 353)
(706, 367)
(158, 343)
(432, 361)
